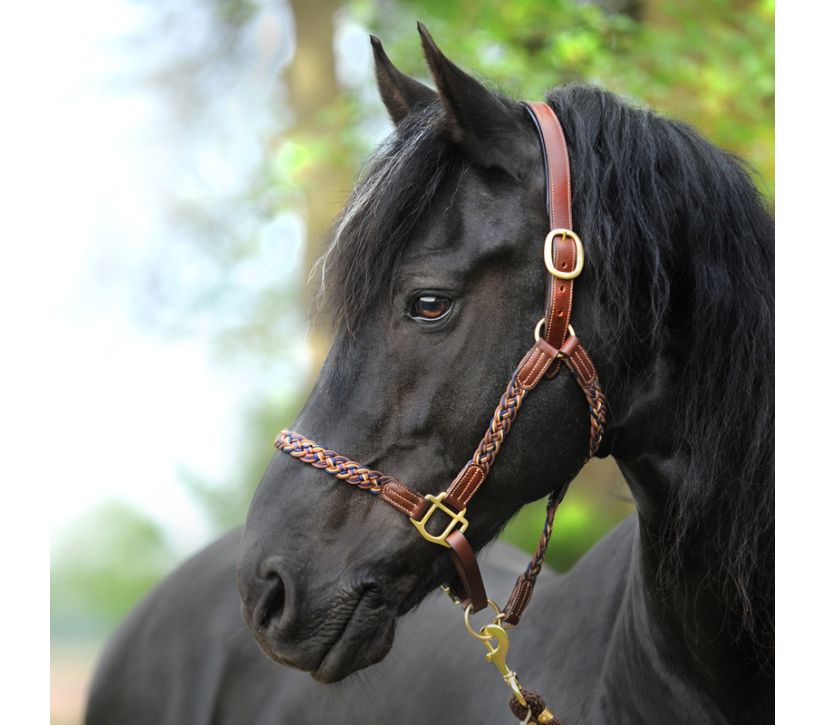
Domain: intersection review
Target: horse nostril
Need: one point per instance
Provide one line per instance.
(268, 569)
(273, 595)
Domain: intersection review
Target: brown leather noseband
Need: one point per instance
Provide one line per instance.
(555, 345)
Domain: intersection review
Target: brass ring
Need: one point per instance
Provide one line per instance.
(548, 254)
(537, 330)
(478, 635)
(542, 322)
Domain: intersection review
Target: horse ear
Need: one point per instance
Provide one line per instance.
(400, 93)
(488, 129)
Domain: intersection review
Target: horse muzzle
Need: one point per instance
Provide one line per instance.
(330, 631)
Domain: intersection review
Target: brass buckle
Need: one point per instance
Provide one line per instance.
(456, 519)
(548, 254)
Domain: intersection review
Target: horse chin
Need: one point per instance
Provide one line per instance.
(350, 639)
(367, 636)
(365, 640)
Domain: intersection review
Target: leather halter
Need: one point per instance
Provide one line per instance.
(555, 345)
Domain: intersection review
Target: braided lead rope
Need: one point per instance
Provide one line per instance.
(331, 462)
(598, 414)
(535, 711)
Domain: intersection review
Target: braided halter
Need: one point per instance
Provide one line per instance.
(555, 345)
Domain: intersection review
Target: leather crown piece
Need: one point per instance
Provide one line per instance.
(555, 345)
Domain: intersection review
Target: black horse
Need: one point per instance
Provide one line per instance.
(435, 275)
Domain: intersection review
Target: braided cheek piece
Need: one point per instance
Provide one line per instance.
(343, 468)
(500, 425)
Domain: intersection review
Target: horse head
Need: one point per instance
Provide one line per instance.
(435, 270)
(436, 276)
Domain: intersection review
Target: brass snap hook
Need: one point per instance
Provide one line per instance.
(497, 641)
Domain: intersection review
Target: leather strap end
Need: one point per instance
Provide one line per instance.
(535, 364)
(464, 486)
(519, 600)
(402, 498)
(580, 363)
(569, 346)
(464, 560)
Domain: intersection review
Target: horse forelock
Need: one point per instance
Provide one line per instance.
(389, 201)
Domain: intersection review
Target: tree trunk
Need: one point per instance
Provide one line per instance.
(313, 89)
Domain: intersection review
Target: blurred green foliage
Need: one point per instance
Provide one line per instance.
(587, 513)
(707, 62)
(107, 561)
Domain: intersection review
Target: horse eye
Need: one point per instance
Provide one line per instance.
(430, 307)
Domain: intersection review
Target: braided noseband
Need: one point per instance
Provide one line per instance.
(558, 345)
(335, 464)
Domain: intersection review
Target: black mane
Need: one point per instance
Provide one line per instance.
(680, 249)
(685, 255)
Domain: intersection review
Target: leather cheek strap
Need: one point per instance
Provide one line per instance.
(559, 300)
(407, 501)
(544, 358)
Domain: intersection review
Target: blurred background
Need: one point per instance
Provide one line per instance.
(200, 150)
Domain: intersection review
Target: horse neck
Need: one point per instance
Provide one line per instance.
(681, 615)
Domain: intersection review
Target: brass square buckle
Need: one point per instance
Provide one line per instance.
(456, 520)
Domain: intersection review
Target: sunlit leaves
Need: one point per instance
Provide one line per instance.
(709, 62)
